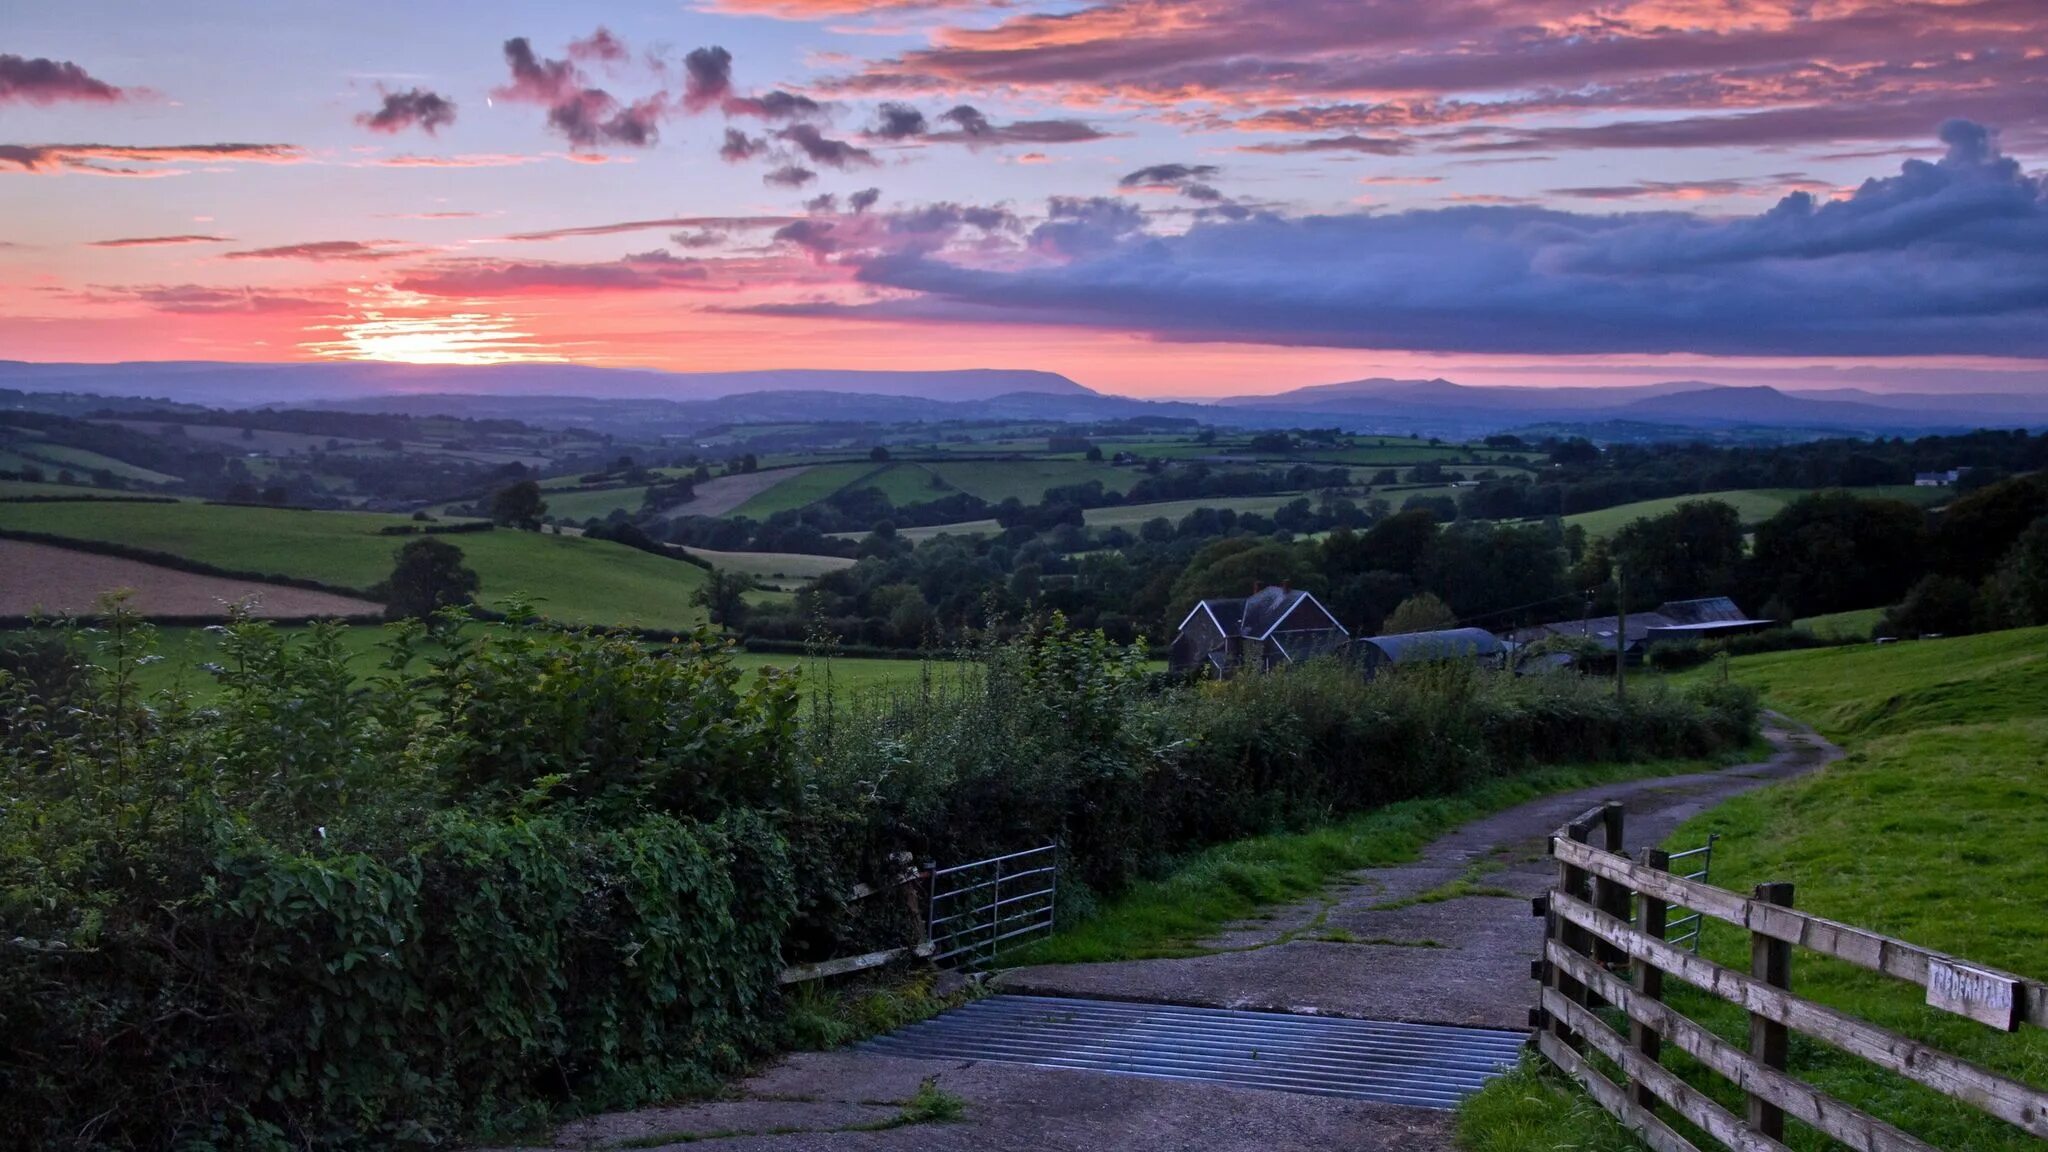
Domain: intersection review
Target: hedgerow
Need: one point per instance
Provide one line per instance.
(518, 871)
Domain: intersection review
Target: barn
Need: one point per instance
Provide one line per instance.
(1271, 627)
(1380, 653)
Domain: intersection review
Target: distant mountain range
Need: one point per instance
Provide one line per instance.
(1684, 402)
(250, 385)
(679, 403)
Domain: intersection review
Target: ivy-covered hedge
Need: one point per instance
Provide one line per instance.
(515, 870)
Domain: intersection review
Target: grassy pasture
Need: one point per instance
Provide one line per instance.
(569, 577)
(1934, 829)
(596, 504)
(783, 570)
(52, 457)
(18, 489)
(801, 488)
(186, 650)
(1752, 504)
(906, 483)
(1854, 625)
(1130, 516)
(1028, 480)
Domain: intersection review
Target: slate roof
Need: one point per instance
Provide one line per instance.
(1707, 616)
(1255, 616)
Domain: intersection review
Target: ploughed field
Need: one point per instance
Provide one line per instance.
(42, 579)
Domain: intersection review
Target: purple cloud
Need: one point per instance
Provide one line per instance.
(583, 114)
(707, 77)
(773, 105)
(1944, 258)
(821, 149)
(42, 81)
(416, 107)
(789, 176)
(894, 121)
(739, 146)
(974, 129)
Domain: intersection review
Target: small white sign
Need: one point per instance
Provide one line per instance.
(1986, 997)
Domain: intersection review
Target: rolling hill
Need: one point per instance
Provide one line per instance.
(569, 578)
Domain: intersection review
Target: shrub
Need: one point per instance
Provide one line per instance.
(1936, 606)
(323, 913)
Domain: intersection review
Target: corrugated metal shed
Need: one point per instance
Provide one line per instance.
(1413, 647)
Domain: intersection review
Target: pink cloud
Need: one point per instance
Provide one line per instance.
(159, 241)
(322, 251)
(469, 160)
(203, 300)
(642, 272)
(101, 159)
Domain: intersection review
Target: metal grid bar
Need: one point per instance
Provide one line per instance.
(1431, 1066)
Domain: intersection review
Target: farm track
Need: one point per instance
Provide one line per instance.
(1463, 960)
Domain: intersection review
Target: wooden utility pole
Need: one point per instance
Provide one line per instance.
(1620, 632)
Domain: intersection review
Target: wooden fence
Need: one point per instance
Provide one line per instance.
(1605, 916)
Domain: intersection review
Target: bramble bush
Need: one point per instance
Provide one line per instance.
(516, 870)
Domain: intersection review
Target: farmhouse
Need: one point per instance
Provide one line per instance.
(1707, 618)
(1938, 479)
(1380, 653)
(1272, 626)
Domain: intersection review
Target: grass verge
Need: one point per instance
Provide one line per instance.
(1934, 829)
(1171, 916)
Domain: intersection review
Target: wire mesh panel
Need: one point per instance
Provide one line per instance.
(982, 909)
(1685, 930)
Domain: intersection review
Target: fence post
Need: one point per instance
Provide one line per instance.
(1572, 882)
(1771, 962)
(1608, 896)
(1649, 979)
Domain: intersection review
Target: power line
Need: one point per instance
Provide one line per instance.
(1584, 594)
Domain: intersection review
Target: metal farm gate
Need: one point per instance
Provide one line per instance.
(978, 911)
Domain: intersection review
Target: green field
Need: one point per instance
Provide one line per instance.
(1130, 516)
(185, 650)
(1934, 829)
(568, 577)
(1753, 505)
(18, 489)
(807, 487)
(1854, 625)
(776, 569)
(55, 456)
(598, 504)
(998, 480)
(906, 483)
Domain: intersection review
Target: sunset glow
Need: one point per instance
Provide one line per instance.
(1177, 197)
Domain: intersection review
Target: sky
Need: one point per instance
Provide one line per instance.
(1155, 197)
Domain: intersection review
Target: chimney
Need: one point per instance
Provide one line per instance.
(1287, 586)
(1256, 585)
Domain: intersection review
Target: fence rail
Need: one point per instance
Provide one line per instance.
(1605, 913)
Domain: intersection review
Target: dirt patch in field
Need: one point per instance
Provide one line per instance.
(43, 578)
(722, 494)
